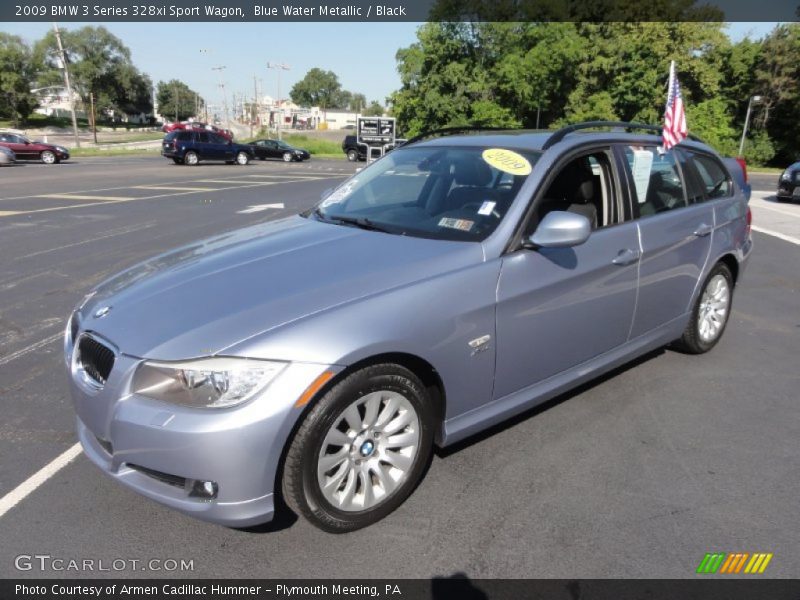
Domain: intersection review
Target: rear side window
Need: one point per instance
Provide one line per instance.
(715, 178)
(202, 137)
(184, 136)
(657, 185)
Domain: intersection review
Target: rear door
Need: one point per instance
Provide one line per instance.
(675, 229)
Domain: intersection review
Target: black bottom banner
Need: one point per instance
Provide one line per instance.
(459, 587)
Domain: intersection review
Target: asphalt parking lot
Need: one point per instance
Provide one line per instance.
(638, 474)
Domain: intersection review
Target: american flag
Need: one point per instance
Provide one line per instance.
(674, 116)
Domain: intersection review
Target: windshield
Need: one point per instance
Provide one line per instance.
(284, 145)
(448, 193)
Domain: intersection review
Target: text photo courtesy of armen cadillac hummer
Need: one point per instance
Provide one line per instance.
(447, 300)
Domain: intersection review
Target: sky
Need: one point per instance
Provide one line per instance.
(361, 54)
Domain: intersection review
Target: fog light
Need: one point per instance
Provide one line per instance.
(206, 490)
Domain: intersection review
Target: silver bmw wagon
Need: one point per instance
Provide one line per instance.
(455, 282)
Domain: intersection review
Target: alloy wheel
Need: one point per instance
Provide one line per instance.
(713, 308)
(369, 451)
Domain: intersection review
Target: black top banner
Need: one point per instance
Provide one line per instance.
(398, 10)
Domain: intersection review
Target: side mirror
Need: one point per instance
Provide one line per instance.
(560, 229)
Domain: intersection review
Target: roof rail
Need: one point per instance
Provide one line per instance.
(562, 133)
(455, 130)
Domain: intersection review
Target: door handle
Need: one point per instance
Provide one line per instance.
(703, 230)
(626, 257)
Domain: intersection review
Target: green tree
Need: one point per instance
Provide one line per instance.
(178, 101)
(17, 75)
(100, 65)
(317, 88)
(373, 110)
(777, 81)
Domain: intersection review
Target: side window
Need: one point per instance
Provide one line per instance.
(657, 183)
(202, 137)
(716, 180)
(585, 185)
(184, 136)
(216, 139)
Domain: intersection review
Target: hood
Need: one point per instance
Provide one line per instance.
(205, 297)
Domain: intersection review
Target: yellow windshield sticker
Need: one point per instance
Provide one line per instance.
(507, 161)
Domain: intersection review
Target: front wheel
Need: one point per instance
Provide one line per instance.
(352, 155)
(711, 312)
(242, 158)
(48, 157)
(287, 157)
(361, 450)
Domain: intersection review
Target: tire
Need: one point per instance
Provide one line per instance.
(242, 158)
(287, 157)
(710, 313)
(48, 157)
(367, 470)
(191, 159)
(352, 155)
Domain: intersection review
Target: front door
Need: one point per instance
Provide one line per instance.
(560, 307)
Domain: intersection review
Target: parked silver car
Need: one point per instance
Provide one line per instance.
(458, 281)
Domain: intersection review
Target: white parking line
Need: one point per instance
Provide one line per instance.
(780, 236)
(23, 490)
(27, 350)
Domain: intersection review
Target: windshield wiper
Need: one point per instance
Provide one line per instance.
(360, 222)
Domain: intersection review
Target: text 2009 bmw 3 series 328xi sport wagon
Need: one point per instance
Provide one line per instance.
(456, 282)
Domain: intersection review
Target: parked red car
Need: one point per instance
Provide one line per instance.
(28, 150)
(196, 125)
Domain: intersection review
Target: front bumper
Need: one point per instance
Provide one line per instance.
(159, 450)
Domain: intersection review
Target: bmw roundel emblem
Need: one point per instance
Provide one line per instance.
(102, 312)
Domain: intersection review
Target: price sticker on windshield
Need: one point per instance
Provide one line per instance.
(507, 161)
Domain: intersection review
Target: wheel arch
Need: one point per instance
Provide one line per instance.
(426, 372)
(729, 260)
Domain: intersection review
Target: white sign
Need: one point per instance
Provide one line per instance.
(640, 169)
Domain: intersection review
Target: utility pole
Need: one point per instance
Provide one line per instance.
(63, 59)
(94, 121)
(176, 99)
(279, 67)
(254, 112)
(219, 69)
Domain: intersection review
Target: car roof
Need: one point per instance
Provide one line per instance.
(536, 140)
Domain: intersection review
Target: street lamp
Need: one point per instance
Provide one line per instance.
(279, 67)
(756, 100)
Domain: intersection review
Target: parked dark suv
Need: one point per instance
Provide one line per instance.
(789, 183)
(190, 147)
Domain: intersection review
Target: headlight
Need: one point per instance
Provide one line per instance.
(205, 383)
(786, 176)
(62, 149)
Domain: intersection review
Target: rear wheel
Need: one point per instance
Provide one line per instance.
(48, 157)
(361, 450)
(352, 155)
(242, 158)
(191, 159)
(711, 312)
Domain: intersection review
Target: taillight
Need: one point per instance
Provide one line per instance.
(749, 222)
(743, 165)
